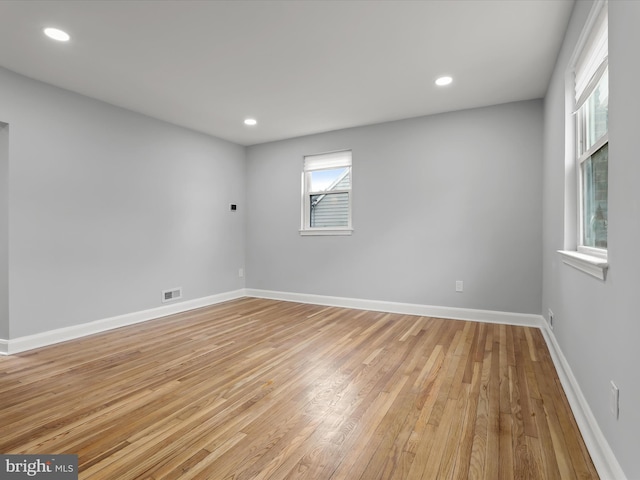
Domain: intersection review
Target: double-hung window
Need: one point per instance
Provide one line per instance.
(592, 139)
(590, 94)
(326, 194)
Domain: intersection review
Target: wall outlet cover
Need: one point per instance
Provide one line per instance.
(614, 400)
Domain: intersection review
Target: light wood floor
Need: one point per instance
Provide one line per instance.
(260, 389)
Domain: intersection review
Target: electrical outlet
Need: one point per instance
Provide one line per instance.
(241, 272)
(551, 318)
(614, 400)
(459, 286)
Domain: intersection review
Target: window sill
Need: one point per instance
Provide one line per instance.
(594, 266)
(327, 231)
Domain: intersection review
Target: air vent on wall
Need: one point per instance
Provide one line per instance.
(171, 294)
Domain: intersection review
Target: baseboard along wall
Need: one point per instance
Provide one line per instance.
(38, 340)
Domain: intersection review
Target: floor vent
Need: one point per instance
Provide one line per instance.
(172, 294)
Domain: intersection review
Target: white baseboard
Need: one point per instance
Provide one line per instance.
(603, 458)
(22, 344)
(490, 316)
(29, 342)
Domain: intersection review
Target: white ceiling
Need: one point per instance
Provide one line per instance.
(298, 67)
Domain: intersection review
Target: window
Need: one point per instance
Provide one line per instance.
(589, 92)
(326, 194)
(592, 139)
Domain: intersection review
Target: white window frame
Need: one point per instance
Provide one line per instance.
(332, 160)
(588, 250)
(582, 156)
(589, 63)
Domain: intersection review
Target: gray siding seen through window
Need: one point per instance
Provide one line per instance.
(331, 209)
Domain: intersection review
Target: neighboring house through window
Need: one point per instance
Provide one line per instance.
(326, 194)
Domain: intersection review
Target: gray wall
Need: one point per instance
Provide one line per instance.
(436, 199)
(4, 235)
(596, 323)
(108, 208)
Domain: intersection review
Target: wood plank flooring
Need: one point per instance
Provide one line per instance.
(261, 389)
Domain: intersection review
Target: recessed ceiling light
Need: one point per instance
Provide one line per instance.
(57, 34)
(442, 81)
(250, 121)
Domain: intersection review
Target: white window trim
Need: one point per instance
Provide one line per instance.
(592, 265)
(306, 230)
(593, 261)
(326, 231)
(599, 253)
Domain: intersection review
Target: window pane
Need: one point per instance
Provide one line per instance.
(329, 210)
(596, 112)
(595, 172)
(335, 178)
